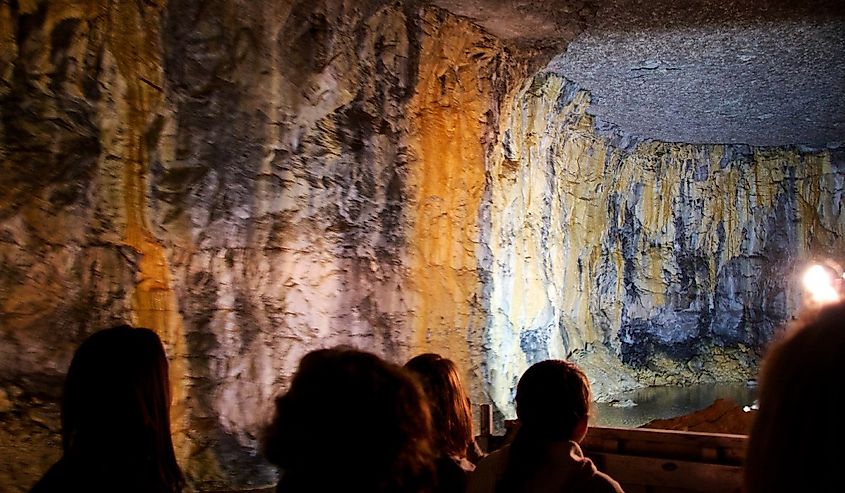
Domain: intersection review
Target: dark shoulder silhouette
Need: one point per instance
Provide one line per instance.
(116, 418)
(796, 439)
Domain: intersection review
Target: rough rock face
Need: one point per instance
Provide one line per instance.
(254, 180)
(682, 260)
(30, 436)
(759, 73)
(81, 91)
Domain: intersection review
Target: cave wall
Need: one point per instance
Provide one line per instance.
(679, 261)
(254, 180)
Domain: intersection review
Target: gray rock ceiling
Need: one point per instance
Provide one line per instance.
(765, 73)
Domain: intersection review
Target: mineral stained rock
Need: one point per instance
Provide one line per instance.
(680, 260)
(254, 180)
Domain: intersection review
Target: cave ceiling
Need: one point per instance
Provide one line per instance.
(763, 73)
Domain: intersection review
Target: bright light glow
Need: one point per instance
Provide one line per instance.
(818, 281)
(753, 407)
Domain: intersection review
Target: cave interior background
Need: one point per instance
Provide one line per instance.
(631, 186)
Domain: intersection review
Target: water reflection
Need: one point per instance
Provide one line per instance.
(667, 402)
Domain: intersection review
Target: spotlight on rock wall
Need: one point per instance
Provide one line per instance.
(823, 283)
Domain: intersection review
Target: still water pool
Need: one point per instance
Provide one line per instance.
(667, 402)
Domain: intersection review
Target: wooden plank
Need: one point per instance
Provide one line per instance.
(711, 454)
(680, 451)
(681, 445)
(672, 474)
(666, 461)
(485, 419)
(702, 439)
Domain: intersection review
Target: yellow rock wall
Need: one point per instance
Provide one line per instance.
(649, 263)
(461, 71)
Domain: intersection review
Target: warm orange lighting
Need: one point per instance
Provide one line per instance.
(819, 283)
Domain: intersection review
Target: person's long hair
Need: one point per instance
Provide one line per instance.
(351, 421)
(552, 397)
(115, 413)
(797, 436)
(450, 410)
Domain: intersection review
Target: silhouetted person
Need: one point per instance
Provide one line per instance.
(351, 422)
(451, 418)
(115, 418)
(797, 440)
(553, 406)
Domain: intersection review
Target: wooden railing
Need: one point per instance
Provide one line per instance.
(663, 461)
(658, 461)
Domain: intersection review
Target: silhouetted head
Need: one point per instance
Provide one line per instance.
(797, 436)
(450, 411)
(553, 405)
(116, 411)
(552, 398)
(351, 422)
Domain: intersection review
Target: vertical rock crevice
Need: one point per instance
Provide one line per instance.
(137, 103)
